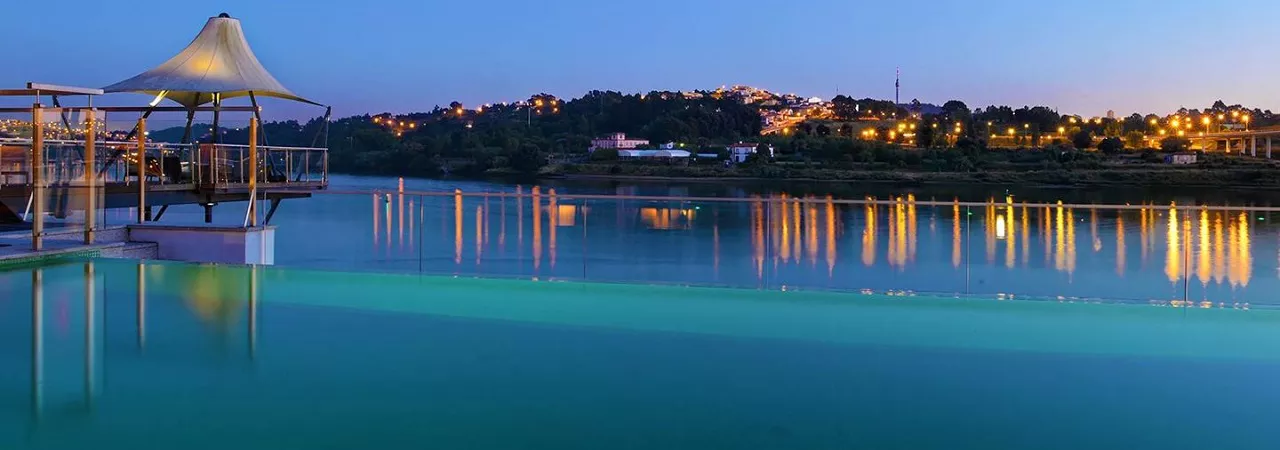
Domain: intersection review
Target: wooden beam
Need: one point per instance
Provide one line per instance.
(37, 177)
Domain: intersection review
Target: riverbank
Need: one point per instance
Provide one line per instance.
(1260, 175)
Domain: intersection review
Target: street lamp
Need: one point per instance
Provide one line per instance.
(1246, 122)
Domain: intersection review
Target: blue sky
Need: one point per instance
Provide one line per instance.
(1085, 56)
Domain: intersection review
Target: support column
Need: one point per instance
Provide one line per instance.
(1253, 146)
(90, 177)
(1268, 147)
(142, 170)
(37, 177)
(253, 172)
(1228, 141)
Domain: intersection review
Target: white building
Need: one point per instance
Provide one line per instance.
(616, 141)
(739, 152)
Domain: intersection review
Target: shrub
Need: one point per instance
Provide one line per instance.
(1111, 146)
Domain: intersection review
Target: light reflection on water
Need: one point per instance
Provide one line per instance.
(333, 364)
(776, 240)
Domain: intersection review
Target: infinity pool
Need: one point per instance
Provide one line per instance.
(228, 357)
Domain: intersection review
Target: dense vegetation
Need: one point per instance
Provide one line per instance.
(543, 131)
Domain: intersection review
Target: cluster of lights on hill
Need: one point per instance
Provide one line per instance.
(535, 106)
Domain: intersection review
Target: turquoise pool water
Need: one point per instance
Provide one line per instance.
(229, 357)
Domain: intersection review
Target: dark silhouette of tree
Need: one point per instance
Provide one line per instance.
(1174, 144)
(1082, 140)
(1111, 146)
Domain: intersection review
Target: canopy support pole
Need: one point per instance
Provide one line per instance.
(324, 131)
(186, 132)
(257, 114)
(120, 152)
(217, 114)
(144, 211)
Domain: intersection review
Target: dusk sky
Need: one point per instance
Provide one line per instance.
(1082, 57)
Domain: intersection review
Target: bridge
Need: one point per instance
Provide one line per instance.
(1240, 141)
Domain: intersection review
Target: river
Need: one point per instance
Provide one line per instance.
(795, 236)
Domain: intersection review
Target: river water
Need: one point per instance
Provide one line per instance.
(798, 236)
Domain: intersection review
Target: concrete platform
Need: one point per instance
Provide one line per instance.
(67, 244)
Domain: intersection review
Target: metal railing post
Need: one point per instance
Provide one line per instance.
(253, 172)
(142, 170)
(90, 177)
(37, 177)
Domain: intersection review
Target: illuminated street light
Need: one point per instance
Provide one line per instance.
(1154, 121)
(1062, 130)
(1012, 131)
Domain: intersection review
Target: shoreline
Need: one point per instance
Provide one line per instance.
(1222, 179)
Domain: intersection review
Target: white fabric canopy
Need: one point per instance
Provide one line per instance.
(218, 61)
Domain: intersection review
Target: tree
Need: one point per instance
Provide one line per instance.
(956, 110)
(844, 108)
(1111, 146)
(605, 154)
(925, 134)
(1082, 140)
(528, 159)
(764, 151)
(1174, 144)
(822, 130)
(1134, 139)
(1134, 123)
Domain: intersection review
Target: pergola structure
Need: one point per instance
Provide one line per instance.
(217, 65)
